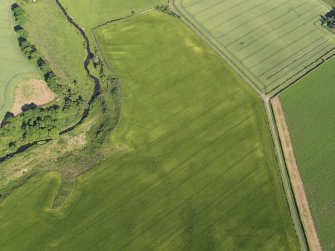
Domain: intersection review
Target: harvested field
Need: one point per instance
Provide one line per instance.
(31, 91)
(272, 42)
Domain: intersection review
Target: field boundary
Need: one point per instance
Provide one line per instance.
(277, 91)
(296, 180)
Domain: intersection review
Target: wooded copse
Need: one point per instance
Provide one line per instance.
(166, 9)
(328, 19)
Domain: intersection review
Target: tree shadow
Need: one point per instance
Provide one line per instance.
(27, 107)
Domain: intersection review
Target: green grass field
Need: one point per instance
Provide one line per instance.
(57, 41)
(197, 170)
(13, 64)
(272, 42)
(309, 110)
(104, 10)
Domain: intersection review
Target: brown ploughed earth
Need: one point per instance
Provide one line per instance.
(296, 181)
(31, 91)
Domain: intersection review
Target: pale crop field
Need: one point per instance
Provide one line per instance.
(272, 41)
(13, 64)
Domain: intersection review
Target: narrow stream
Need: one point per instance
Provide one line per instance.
(88, 58)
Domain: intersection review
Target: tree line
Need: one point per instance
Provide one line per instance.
(166, 9)
(30, 50)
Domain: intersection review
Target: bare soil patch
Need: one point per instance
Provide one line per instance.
(296, 181)
(31, 91)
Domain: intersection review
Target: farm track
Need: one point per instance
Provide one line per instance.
(96, 90)
(273, 127)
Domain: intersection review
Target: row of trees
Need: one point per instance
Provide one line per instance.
(166, 9)
(30, 50)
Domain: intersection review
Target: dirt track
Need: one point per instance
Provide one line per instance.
(296, 181)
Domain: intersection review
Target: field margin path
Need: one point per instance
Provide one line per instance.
(296, 181)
